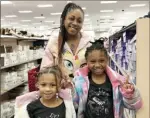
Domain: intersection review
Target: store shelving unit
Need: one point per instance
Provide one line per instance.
(22, 38)
(23, 41)
(3, 37)
(3, 92)
(117, 65)
(4, 67)
(142, 62)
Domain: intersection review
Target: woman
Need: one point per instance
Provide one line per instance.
(67, 49)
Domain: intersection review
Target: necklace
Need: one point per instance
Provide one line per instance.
(74, 45)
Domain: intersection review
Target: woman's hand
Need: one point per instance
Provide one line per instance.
(66, 82)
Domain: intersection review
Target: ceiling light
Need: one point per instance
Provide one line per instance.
(106, 10)
(137, 5)
(5, 2)
(41, 17)
(56, 13)
(129, 13)
(11, 16)
(108, 2)
(25, 11)
(84, 8)
(49, 21)
(69, 1)
(46, 5)
(86, 14)
(105, 16)
(25, 20)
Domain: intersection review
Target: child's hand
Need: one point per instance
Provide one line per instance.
(128, 87)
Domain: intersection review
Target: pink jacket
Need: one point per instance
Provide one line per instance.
(121, 98)
(71, 62)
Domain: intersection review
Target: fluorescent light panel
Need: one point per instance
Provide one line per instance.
(49, 21)
(6, 2)
(106, 10)
(108, 2)
(69, 1)
(11, 16)
(84, 8)
(25, 11)
(45, 5)
(137, 5)
(56, 13)
(40, 17)
(25, 20)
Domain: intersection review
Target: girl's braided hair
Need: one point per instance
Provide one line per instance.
(56, 70)
(97, 45)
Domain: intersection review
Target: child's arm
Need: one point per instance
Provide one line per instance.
(131, 96)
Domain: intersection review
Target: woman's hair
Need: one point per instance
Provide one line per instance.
(56, 70)
(63, 33)
(97, 45)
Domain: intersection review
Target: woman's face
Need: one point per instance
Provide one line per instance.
(74, 21)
